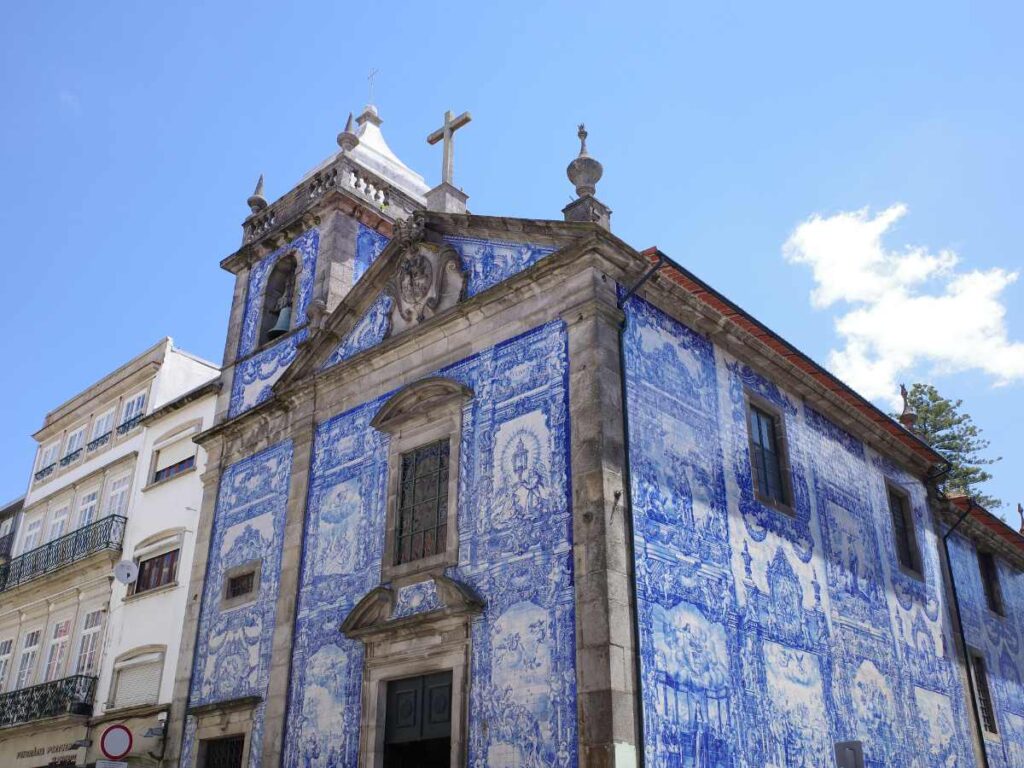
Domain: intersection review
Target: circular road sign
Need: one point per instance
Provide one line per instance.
(116, 742)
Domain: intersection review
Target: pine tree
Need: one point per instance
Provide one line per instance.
(942, 425)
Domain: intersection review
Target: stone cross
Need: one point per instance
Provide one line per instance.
(370, 78)
(447, 133)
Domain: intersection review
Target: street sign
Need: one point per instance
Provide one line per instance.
(115, 742)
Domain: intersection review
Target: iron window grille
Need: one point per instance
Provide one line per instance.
(223, 753)
(69, 695)
(240, 585)
(983, 693)
(422, 529)
(99, 441)
(46, 471)
(104, 534)
(71, 457)
(128, 425)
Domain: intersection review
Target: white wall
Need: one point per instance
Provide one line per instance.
(155, 617)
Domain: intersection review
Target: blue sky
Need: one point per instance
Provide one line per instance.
(745, 140)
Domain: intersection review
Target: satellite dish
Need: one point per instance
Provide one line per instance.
(126, 572)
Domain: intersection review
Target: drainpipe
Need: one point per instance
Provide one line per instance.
(959, 618)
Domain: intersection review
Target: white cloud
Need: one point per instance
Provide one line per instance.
(903, 310)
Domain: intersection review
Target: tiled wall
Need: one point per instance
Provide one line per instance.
(515, 551)
(998, 639)
(766, 637)
(233, 646)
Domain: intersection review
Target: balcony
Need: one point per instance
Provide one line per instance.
(6, 545)
(67, 696)
(127, 426)
(71, 457)
(105, 534)
(99, 442)
(45, 472)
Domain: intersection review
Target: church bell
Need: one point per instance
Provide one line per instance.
(283, 324)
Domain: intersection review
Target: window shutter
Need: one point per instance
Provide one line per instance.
(138, 684)
(174, 453)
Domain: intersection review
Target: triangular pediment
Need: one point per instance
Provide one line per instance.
(433, 262)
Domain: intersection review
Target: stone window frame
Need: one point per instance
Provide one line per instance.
(753, 400)
(975, 654)
(908, 509)
(991, 583)
(229, 603)
(295, 256)
(417, 415)
(223, 720)
(172, 437)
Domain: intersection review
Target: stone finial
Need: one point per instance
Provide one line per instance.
(257, 202)
(347, 139)
(584, 172)
(908, 418)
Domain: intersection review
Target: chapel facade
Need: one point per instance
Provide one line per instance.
(492, 491)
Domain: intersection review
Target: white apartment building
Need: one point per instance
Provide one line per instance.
(113, 479)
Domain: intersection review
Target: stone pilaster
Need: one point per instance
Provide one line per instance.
(302, 431)
(606, 680)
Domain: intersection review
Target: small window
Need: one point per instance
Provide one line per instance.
(278, 300)
(422, 503)
(990, 582)
(222, 753)
(768, 459)
(89, 643)
(983, 695)
(157, 571)
(136, 680)
(174, 459)
(903, 530)
(6, 649)
(241, 585)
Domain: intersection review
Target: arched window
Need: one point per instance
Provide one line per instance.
(279, 300)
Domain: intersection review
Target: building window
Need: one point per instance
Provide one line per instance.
(76, 440)
(982, 693)
(131, 412)
(48, 455)
(174, 459)
(87, 506)
(241, 585)
(57, 650)
(422, 503)
(136, 680)
(6, 649)
(27, 662)
(103, 424)
(33, 531)
(225, 752)
(278, 300)
(903, 530)
(88, 645)
(769, 462)
(117, 496)
(59, 523)
(990, 582)
(156, 571)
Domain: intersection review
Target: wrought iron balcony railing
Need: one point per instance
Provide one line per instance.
(99, 441)
(45, 471)
(104, 534)
(70, 457)
(130, 424)
(67, 696)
